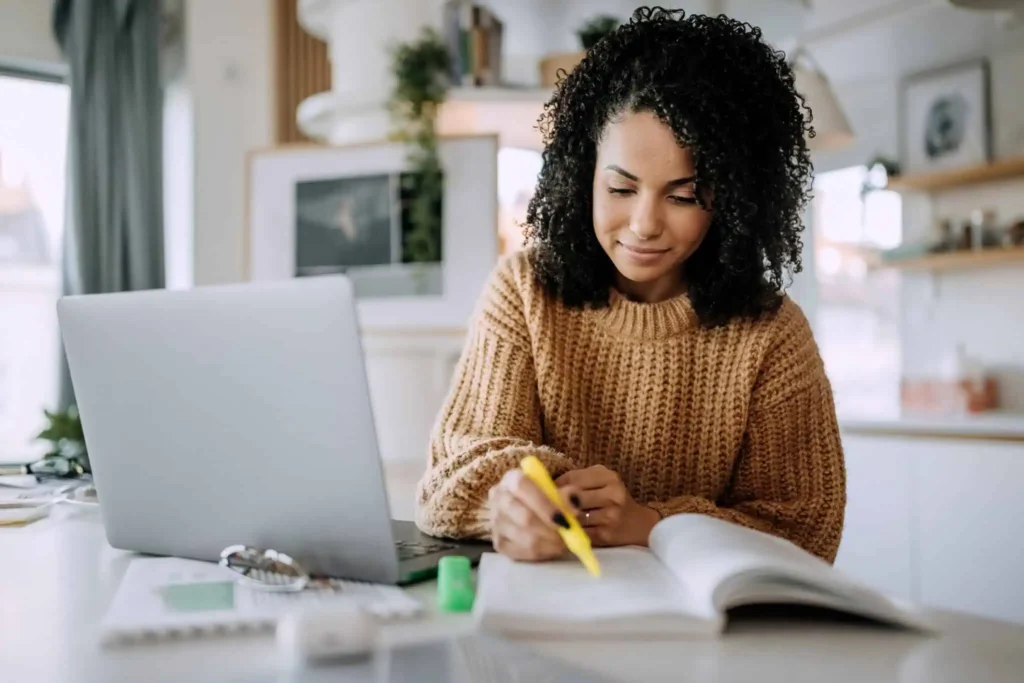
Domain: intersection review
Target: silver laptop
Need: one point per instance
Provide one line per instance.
(239, 414)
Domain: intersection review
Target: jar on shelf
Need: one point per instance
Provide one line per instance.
(983, 229)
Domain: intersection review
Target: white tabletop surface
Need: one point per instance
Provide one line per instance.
(58, 575)
(1001, 425)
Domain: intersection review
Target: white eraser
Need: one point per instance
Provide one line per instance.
(326, 632)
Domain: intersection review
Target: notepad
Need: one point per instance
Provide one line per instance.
(169, 597)
(697, 569)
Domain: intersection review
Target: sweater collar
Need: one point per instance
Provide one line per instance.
(635, 320)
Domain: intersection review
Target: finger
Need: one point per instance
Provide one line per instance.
(594, 477)
(570, 498)
(530, 495)
(516, 520)
(601, 536)
(601, 517)
(608, 496)
(526, 544)
(534, 548)
(511, 549)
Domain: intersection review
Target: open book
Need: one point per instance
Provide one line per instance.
(697, 568)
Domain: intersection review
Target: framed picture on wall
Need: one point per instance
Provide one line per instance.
(317, 211)
(946, 118)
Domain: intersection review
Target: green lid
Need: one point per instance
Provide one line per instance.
(454, 584)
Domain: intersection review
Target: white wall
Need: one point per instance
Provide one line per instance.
(535, 28)
(229, 56)
(872, 105)
(26, 38)
(981, 309)
(569, 15)
(527, 28)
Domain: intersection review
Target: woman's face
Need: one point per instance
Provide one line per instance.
(646, 214)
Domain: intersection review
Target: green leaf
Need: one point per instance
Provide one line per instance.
(421, 69)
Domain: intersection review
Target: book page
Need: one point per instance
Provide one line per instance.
(730, 565)
(704, 553)
(632, 583)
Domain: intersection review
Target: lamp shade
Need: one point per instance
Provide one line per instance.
(832, 129)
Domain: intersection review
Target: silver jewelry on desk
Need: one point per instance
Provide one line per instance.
(267, 570)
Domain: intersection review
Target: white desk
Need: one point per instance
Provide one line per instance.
(58, 575)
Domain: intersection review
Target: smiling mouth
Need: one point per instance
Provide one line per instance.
(646, 251)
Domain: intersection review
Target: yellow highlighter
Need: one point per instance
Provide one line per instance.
(575, 537)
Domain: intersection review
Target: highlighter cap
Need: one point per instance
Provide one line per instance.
(454, 584)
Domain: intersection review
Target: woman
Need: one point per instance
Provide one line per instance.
(641, 346)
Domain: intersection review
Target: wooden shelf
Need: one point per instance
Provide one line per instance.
(960, 260)
(945, 180)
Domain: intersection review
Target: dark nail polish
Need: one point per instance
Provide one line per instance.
(560, 520)
(575, 500)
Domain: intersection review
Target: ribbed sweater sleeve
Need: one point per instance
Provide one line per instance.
(490, 419)
(790, 478)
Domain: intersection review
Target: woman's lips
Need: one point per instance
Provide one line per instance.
(642, 255)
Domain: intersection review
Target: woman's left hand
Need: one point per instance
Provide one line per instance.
(605, 508)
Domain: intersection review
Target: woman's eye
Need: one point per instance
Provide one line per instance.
(619, 190)
(683, 200)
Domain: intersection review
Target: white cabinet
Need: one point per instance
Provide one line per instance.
(876, 546)
(937, 520)
(971, 526)
(409, 374)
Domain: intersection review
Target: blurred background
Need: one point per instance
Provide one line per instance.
(185, 143)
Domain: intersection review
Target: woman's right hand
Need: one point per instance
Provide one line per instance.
(524, 523)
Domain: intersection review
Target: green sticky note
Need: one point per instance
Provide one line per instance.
(209, 596)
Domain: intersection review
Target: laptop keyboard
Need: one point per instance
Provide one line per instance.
(408, 550)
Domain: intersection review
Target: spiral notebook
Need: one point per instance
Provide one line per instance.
(161, 598)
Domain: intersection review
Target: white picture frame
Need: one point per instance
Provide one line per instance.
(946, 118)
(470, 247)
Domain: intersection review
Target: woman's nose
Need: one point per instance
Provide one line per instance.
(645, 223)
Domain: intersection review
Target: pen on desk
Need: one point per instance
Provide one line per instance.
(575, 537)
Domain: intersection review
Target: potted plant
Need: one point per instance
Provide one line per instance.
(421, 68)
(67, 455)
(595, 29)
(589, 34)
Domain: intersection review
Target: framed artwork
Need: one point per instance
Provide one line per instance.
(326, 210)
(946, 118)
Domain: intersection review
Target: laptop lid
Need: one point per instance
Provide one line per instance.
(233, 414)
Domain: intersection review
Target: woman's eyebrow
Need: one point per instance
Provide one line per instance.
(672, 183)
(622, 172)
(681, 181)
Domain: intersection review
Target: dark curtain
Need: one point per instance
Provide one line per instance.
(113, 238)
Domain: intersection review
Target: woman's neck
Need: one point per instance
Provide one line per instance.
(651, 292)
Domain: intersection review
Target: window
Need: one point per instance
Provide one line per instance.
(857, 322)
(518, 170)
(33, 139)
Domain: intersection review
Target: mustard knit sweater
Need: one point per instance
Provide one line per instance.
(736, 422)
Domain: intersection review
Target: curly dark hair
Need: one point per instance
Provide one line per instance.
(729, 96)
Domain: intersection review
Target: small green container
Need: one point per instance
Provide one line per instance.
(455, 584)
